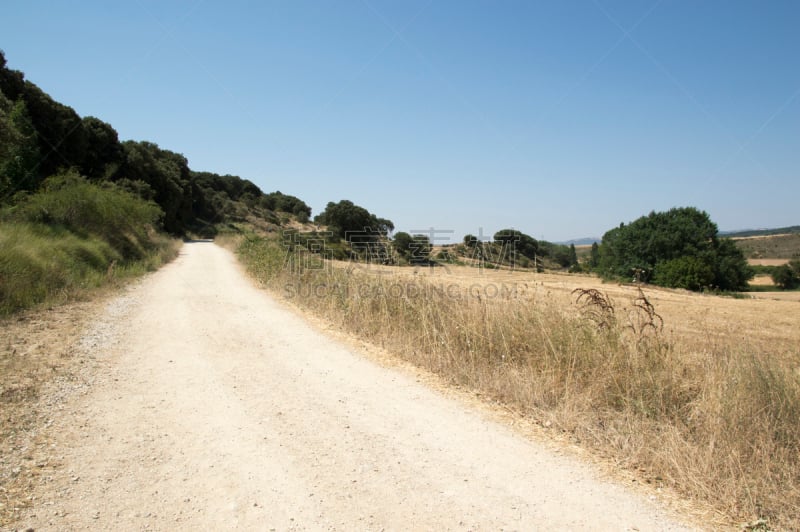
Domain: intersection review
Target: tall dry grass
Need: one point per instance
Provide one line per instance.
(719, 423)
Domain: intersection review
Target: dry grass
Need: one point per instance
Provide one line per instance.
(762, 280)
(767, 262)
(707, 404)
(785, 246)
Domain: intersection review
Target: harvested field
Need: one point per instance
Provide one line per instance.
(688, 315)
(767, 262)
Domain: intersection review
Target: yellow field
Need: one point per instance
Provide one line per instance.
(770, 320)
(767, 262)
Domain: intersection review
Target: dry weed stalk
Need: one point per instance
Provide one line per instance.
(643, 320)
(596, 306)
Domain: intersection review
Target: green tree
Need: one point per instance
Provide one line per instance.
(420, 249)
(351, 222)
(414, 248)
(12, 82)
(517, 242)
(103, 153)
(558, 253)
(19, 152)
(402, 243)
(594, 257)
(40, 136)
(277, 201)
(686, 272)
(8, 133)
(168, 175)
(785, 277)
(61, 138)
(731, 271)
(470, 241)
(649, 242)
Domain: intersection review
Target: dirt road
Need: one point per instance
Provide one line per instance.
(210, 406)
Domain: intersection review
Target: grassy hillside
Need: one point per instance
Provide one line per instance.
(72, 236)
(762, 232)
(779, 246)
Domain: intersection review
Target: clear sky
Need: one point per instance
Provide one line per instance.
(559, 118)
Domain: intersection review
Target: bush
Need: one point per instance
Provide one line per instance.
(690, 273)
(73, 235)
(116, 216)
(351, 222)
(445, 256)
(785, 277)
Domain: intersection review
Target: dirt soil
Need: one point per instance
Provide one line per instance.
(201, 403)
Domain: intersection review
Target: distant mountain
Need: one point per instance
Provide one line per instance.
(760, 232)
(739, 233)
(587, 241)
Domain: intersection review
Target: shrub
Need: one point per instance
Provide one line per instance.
(690, 273)
(352, 222)
(73, 235)
(114, 215)
(785, 277)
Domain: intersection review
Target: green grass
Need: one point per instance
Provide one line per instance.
(72, 237)
(42, 264)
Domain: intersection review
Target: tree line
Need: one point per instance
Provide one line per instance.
(678, 248)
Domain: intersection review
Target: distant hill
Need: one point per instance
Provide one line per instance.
(742, 233)
(784, 245)
(739, 233)
(587, 241)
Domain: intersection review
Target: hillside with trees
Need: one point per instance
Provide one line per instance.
(512, 248)
(80, 208)
(40, 137)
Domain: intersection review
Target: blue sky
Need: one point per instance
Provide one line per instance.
(558, 118)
